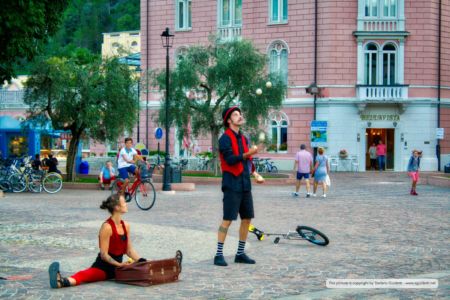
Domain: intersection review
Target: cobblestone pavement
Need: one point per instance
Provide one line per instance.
(376, 229)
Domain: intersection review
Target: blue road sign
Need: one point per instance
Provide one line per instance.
(158, 133)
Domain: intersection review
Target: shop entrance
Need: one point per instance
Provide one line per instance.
(387, 135)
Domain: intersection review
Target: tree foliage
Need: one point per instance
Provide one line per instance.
(85, 95)
(219, 75)
(84, 21)
(24, 26)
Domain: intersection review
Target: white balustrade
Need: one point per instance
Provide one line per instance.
(381, 25)
(383, 93)
(12, 99)
(229, 33)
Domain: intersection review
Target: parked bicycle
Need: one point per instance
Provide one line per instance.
(141, 189)
(181, 163)
(264, 165)
(203, 163)
(19, 176)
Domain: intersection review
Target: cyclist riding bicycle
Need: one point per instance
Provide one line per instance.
(126, 162)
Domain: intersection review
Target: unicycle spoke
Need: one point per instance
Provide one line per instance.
(312, 235)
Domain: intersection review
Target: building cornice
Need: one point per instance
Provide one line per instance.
(363, 35)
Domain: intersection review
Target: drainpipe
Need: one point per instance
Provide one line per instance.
(315, 65)
(146, 76)
(438, 145)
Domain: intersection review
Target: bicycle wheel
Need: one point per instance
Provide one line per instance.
(52, 183)
(17, 182)
(5, 186)
(115, 189)
(35, 183)
(259, 168)
(145, 195)
(313, 235)
(274, 170)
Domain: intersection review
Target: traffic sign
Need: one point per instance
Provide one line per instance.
(158, 133)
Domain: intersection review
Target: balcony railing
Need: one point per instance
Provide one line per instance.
(229, 32)
(381, 25)
(12, 99)
(386, 93)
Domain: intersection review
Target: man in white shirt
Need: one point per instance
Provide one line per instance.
(125, 163)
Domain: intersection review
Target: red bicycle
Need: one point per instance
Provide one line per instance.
(141, 189)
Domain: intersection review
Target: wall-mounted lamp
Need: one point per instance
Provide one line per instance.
(369, 124)
(395, 124)
(402, 137)
(358, 137)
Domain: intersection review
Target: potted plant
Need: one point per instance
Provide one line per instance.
(343, 153)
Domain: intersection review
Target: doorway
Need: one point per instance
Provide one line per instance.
(387, 135)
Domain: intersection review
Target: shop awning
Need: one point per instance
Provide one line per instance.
(8, 123)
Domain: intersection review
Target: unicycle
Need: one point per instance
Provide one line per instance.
(310, 234)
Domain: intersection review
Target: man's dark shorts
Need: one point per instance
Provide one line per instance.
(300, 176)
(237, 202)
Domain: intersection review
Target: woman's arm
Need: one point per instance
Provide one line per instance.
(316, 166)
(104, 236)
(130, 250)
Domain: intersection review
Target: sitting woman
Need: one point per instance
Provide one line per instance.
(114, 239)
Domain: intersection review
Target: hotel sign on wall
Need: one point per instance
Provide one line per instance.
(380, 117)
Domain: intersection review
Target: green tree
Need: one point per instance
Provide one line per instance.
(221, 74)
(84, 21)
(24, 27)
(85, 95)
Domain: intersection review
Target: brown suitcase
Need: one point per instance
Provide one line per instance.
(150, 272)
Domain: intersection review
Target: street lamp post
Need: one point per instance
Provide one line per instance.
(138, 71)
(167, 41)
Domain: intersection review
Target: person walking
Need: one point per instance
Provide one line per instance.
(413, 170)
(381, 155)
(235, 155)
(114, 242)
(321, 170)
(303, 166)
(373, 156)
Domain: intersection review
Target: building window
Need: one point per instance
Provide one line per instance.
(371, 8)
(380, 65)
(383, 8)
(390, 8)
(180, 53)
(230, 12)
(389, 64)
(371, 59)
(112, 146)
(86, 143)
(278, 11)
(183, 14)
(278, 60)
(278, 129)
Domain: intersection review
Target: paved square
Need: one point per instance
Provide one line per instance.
(376, 229)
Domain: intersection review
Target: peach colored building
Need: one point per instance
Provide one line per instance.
(377, 70)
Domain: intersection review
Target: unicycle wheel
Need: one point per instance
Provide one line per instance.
(313, 235)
